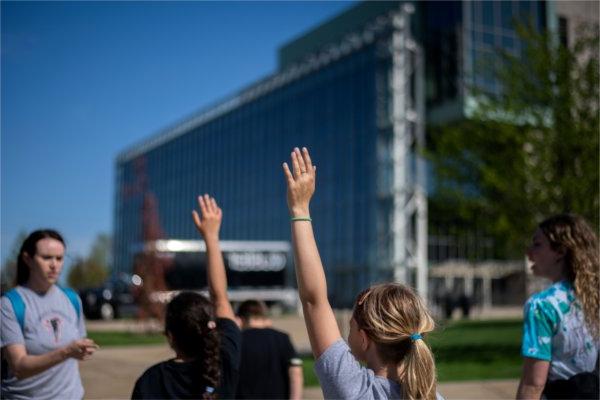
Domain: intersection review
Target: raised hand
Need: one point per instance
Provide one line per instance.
(300, 183)
(210, 223)
(312, 288)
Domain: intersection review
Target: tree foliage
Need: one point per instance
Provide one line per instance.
(530, 149)
(9, 268)
(94, 269)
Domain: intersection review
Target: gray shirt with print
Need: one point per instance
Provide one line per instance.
(51, 322)
(342, 377)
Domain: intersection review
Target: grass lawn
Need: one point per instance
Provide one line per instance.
(126, 338)
(464, 350)
(478, 350)
(469, 350)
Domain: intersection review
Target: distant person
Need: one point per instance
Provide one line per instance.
(560, 337)
(270, 367)
(449, 304)
(43, 331)
(464, 302)
(388, 326)
(202, 332)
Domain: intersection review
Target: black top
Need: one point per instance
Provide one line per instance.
(267, 355)
(183, 380)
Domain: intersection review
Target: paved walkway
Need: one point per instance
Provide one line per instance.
(112, 372)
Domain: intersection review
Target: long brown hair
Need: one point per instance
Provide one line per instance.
(190, 321)
(29, 246)
(573, 235)
(391, 314)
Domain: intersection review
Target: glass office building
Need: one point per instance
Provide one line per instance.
(349, 90)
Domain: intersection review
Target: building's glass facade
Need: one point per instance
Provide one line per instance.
(340, 110)
(237, 158)
(491, 25)
(461, 42)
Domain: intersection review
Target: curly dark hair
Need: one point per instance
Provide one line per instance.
(571, 233)
(190, 321)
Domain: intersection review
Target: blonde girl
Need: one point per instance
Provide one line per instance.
(388, 326)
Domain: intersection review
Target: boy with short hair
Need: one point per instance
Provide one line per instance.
(270, 367)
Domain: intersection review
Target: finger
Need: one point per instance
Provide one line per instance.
(202, 204)
(300, 160)
(295, 165)
(196, 219)
(288, 174)
(307, 160)
(208, 202)
(215, 207)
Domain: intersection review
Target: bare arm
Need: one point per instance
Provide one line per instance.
(533, 379)
(24, 365)
(312, 287)
(209, 227)
(296, 381)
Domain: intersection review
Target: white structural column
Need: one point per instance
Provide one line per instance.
(409, 210)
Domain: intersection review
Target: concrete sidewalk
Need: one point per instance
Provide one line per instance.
(112, 372)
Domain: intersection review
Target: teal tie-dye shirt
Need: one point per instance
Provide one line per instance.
(555, 331)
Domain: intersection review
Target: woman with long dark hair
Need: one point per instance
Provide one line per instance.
(202, 332)
(560, 336)
(43, 331)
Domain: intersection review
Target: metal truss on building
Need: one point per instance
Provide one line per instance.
(402, 195)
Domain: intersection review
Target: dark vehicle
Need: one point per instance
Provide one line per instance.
(114, 299)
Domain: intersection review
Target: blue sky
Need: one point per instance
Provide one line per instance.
(82, 81)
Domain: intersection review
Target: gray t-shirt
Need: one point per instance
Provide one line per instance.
(51, 322)
(342, 377)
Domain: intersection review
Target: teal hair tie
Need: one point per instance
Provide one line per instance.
(415, 336)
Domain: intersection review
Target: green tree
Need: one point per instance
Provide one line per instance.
(94, 269)
(9, 268)
(530, 149)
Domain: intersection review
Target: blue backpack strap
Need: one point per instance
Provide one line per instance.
(74, 299)
(18, 306)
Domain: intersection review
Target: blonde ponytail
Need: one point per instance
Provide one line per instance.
(417, 372)
(397, 321)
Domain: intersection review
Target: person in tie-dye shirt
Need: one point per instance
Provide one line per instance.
(560, 335)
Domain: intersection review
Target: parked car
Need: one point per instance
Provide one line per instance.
(113, 299)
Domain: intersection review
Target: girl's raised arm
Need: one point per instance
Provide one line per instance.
(312, 287)
(209, 226)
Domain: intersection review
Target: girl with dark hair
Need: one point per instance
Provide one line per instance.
(560, 336)
(43, 331)
(388, 327)
(202, 332)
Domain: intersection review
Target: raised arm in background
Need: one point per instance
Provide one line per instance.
(208, 225)
(320, 322)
